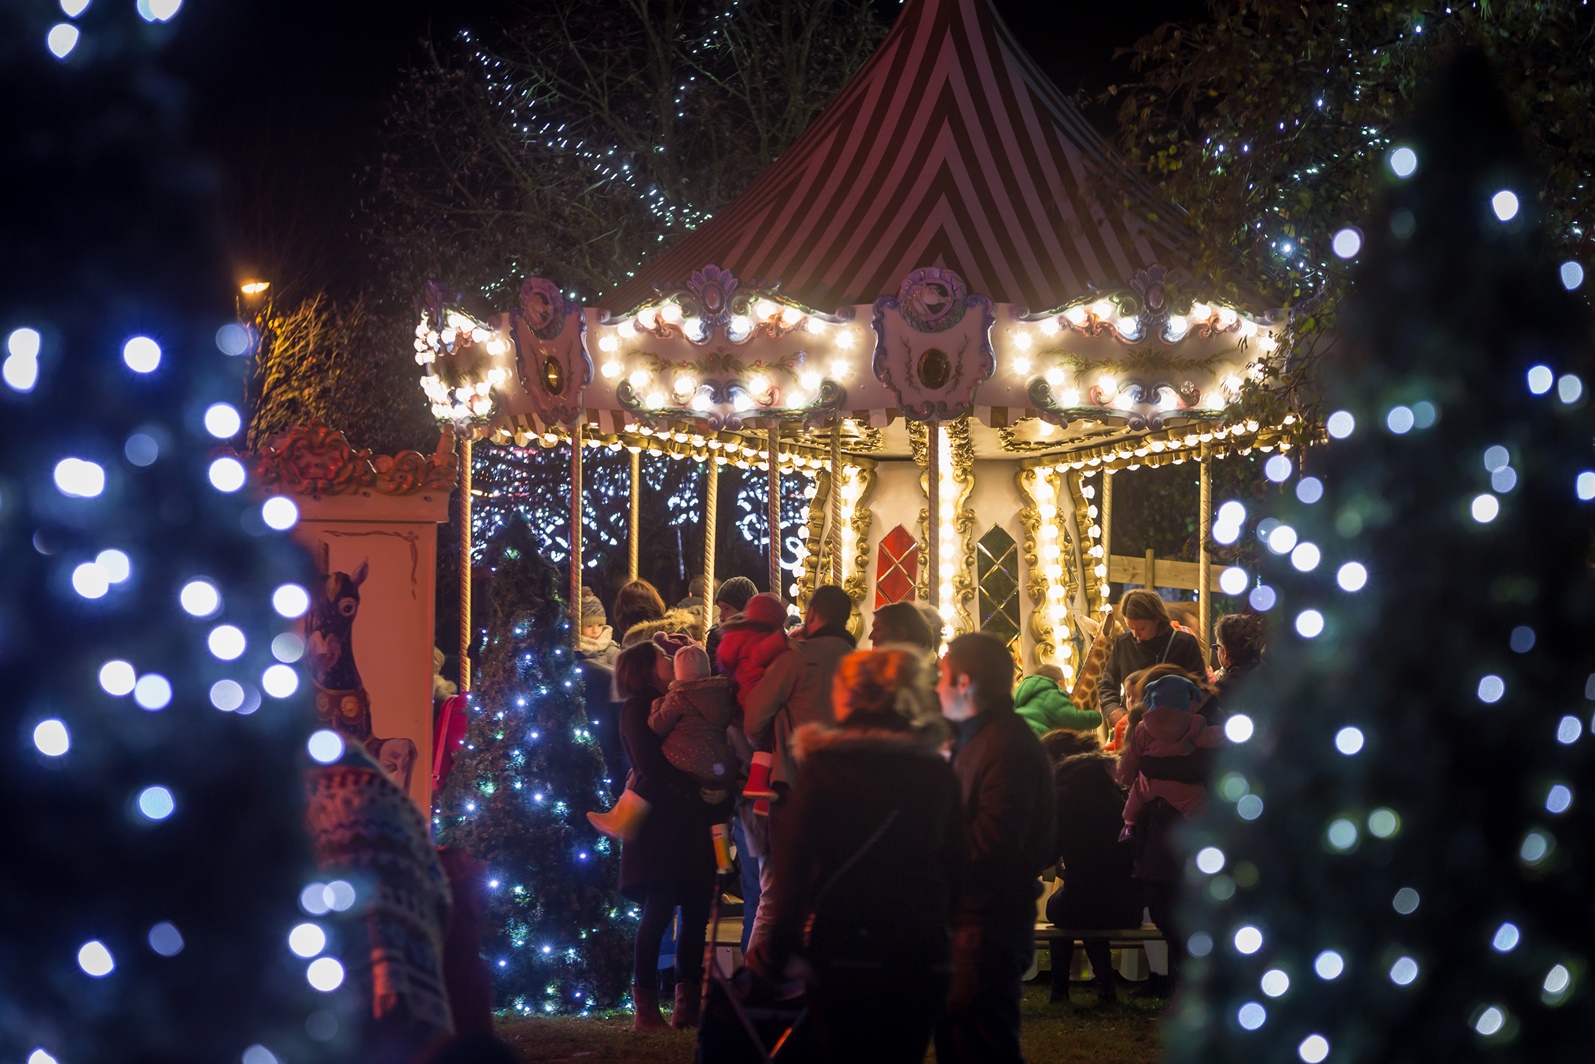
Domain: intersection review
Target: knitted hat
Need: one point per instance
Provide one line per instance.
(765, 609)
(672, 643)
(692, 663)
(592, 609)
(736, 591)
(1175, 692)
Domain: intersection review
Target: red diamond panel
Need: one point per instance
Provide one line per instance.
(896, 568)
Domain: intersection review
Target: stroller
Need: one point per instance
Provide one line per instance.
(746, 1019)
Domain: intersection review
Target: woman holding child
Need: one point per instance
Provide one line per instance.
(668, 860)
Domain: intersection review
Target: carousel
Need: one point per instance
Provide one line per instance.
(946, 307)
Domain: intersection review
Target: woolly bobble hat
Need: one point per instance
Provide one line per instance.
(592, 609)
(1173, 691)
(765, 609)
(692, 663)
(736, 591)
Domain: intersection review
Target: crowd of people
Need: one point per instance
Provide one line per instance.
(893, 812)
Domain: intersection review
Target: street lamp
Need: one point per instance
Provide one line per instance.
(254, 288)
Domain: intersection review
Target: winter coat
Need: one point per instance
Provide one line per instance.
(1006, 781)
(673, 845)
(849, 891)
(673, 621)
(745, 651)
(1044, 706)
(692, 717)
(1097, 891)
(1169, 645)
(795, 690)
(602, 648)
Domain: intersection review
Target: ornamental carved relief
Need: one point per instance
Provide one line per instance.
(933, 345)
(550, 337)
(316, 460)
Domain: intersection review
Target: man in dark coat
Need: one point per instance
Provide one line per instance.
(1006, 780)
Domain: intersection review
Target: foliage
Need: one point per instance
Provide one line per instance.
(1267, 119)
(555, 933)
(1404, 837)
(156, 849)
(342, 364)
(581, 137)
(533, 485)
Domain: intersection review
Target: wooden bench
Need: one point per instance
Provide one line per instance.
(1117, 938)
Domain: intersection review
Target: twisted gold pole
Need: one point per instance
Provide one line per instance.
(836, 501)
(465, 561)
(775, 509)
(711, 507)
(634, 536)
(1107, 533)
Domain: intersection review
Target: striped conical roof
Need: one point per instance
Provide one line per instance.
(948, 148)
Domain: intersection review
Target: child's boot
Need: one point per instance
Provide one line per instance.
(758, 785)
(624, 819)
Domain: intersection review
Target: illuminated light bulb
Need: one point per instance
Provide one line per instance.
(1349, 740)
(700, 402)
(759, 384)
(1177, 328)
(497, 347)
(227, 474)
(222, 420)
(764, 308)
(307, 939)
(1075, 315)
(1505, 205)
(51, 738)
(1021, 366)
(1572, 275)
(279, 512)
(1309, 623)
(1200, 312)
(1233, 580)
(810, 381)
(156, 803)
(62, 38)
(1050, 326)
(647, 318)
(1069, 397)
(1267, 343)
(76, 478)
(685, 384)
(626, 330)
(844, 339)
(90, 580)
(1485, 508)
(226, 642)
(227, 695)
(95, 959)
(1056, 376)
(1352, 576)
(1102, 308)
(791, 316)
(1230, 383)
(279, 681)
(639, 378)
(1347, 242)
(1403, 162)
(1021, 340)
(1238, 728)
(608, 344)
(1313, 1049)
(1340, 424)
(1127, 326)
(672, 313)
(141, 354)
(1248, 940)
(325, 974)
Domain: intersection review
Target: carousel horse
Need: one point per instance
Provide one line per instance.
(341, 699)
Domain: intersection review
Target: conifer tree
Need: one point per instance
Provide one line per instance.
(152, 730)
(556, 935)
(1397, 863)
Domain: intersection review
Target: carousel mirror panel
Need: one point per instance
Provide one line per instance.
(997, 565)
(896, 568)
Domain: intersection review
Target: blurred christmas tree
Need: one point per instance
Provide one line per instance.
(1402, 863)
(556, 934)
(154, 730)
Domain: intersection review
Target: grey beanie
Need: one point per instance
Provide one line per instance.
(735, 592)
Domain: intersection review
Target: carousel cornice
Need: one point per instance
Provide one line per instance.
(729, 356)
(685, 440)
(1179, 444)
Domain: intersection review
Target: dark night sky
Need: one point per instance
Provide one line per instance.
(289, 94)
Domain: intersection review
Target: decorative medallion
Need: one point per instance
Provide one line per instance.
(712, 288)
(930, 351)
(551, 359)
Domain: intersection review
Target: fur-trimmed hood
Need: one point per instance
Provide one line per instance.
(673, 621)
(840, 737)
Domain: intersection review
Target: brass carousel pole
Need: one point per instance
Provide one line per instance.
(933, 525)
(1204, 562)
(1107, 533)
(836, 501)
(775, 509)
(711, 507)
(575, 533)
(465, 559)
(633, 536)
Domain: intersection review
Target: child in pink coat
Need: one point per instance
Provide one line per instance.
(1169, 729)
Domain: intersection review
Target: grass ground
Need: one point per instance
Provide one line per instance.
(1125, 1033)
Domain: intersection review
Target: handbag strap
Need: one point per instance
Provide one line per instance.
(843, 870)
(1167, 646)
